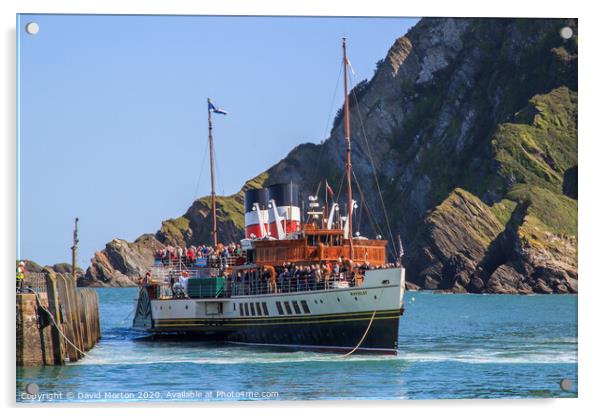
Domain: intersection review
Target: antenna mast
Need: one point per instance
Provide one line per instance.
(348, 141)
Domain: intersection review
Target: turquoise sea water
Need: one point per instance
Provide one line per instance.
(450, 346)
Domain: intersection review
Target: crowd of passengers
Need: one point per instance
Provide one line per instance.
(189, 255)
(293, 278)
(289, 277)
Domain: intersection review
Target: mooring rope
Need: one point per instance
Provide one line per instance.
(55, 323)
(128, 315)
(367, 329)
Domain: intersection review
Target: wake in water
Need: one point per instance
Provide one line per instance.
(450, 347)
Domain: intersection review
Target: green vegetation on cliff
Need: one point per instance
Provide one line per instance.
(539, 151)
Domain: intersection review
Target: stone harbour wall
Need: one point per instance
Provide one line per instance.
(57, 324)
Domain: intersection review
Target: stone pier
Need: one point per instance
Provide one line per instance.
(58, 311)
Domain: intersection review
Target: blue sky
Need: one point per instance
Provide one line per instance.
(113, 118)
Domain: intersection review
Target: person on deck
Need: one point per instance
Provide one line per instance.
(190, 255)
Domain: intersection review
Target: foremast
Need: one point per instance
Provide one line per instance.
(209, 110)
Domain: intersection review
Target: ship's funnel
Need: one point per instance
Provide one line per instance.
(286, 197)
(256, 213)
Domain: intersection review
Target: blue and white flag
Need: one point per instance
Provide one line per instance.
(215, 109)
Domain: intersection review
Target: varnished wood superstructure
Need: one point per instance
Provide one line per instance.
(317, 246)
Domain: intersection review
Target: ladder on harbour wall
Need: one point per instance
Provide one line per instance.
(75, 312)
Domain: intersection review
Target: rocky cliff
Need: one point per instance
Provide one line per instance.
(470, 128)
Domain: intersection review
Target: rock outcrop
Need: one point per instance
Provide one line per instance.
(121, 263)
(470, 127)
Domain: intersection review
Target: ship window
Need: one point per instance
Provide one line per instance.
(296, 306)
(265, 308)
(288, 308)
(241, 310)
(279, 307)
(304, 306)
(234, 306)
(246, 309)
(258, 308)
(252, 309)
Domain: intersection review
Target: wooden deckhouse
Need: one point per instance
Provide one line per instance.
(319, 245)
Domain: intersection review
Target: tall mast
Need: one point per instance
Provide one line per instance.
(348, 140)
(212, 173)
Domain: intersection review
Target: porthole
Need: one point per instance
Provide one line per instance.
(338, 300)
(355, 298)
(321, 301)
(374, 296)
(186, 307)
(316, 301)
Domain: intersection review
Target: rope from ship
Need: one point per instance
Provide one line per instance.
(367, 329)
(56, 325)
(128, 315)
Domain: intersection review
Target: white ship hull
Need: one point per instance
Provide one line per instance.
(330, 319)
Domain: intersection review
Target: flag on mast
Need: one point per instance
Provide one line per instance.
(350, 66)
(215, 109)
(400, 246)
(329, 189)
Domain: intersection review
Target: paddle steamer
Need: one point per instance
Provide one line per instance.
(303, 280)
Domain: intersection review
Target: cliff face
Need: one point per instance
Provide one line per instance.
(471, 125)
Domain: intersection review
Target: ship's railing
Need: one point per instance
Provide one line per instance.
(169, 285)
(251, 287)
(198, 261)
(196, 267)
(168, 278)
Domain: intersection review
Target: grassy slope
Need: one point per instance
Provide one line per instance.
(531, 158)
(230, 210)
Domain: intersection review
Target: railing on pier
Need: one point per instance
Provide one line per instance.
(35, 281)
